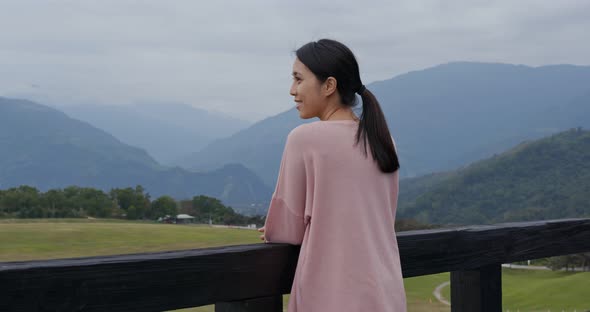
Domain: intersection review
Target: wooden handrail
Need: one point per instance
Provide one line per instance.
(253, 277)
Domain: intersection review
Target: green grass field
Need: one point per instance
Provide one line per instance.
(530, 290)
(22, 240)
(67, 238)
(545, 290)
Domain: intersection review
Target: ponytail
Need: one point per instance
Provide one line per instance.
(373, 128)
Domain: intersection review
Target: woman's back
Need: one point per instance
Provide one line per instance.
(334, 200)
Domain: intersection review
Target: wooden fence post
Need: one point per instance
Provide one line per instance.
(477, 290)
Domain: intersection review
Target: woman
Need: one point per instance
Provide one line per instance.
(337, 190)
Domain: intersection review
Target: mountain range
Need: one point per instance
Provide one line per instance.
(43, 147)
(442, 117)
(167, 131)
(547, 178)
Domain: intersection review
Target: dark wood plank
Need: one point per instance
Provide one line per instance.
(173, 280)
(471, 247)
(148, 282)
(266, 304)
(477, 290)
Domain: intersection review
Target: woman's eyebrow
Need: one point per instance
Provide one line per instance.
(296, 73)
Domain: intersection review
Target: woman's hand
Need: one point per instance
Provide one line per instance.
(261, 230)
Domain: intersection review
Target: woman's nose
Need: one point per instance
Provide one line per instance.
(293, 90)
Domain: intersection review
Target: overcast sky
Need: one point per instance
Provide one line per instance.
(236, 56)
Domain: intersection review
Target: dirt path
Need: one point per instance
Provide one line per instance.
(438, 295)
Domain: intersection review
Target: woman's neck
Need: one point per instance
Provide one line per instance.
(339, 113)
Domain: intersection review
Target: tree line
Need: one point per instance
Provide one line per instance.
(129, 203)
(570, 262)
(125, 203)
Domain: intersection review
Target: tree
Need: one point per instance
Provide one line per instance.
(23, 202)
(132, 213)
(124, 198)
(127, 197)
(54, 201)
(95, 202)
(206, 207)
(164, 205)
(567, 262)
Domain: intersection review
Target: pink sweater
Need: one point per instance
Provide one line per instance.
(340, 208)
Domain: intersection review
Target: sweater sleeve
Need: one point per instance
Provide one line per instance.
(285, 220)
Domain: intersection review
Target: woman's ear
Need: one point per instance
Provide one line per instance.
(330, 86)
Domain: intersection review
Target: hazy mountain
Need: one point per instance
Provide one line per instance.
(167, 131)
(43, 147)
(548, 178)
(453, 114)
(575, 112)
(257, 147)
(442, 117)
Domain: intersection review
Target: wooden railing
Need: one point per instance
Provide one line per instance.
(253, 277)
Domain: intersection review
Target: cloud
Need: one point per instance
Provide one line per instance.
(236, 56)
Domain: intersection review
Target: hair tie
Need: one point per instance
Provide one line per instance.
(361, 89)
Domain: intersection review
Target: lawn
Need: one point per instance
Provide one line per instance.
(67, 238)
(528, 290)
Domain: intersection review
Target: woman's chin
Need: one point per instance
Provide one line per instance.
(302, 115)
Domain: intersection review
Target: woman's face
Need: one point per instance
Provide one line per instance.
(306, 89)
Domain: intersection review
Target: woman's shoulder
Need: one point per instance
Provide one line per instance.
(317, 133)
(302, 134)
(315, 128)
(303, 129)
(308, 132)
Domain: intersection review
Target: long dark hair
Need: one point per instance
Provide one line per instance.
(329, 58)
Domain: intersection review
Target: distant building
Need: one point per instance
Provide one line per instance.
(184, 218)
(178, 219)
